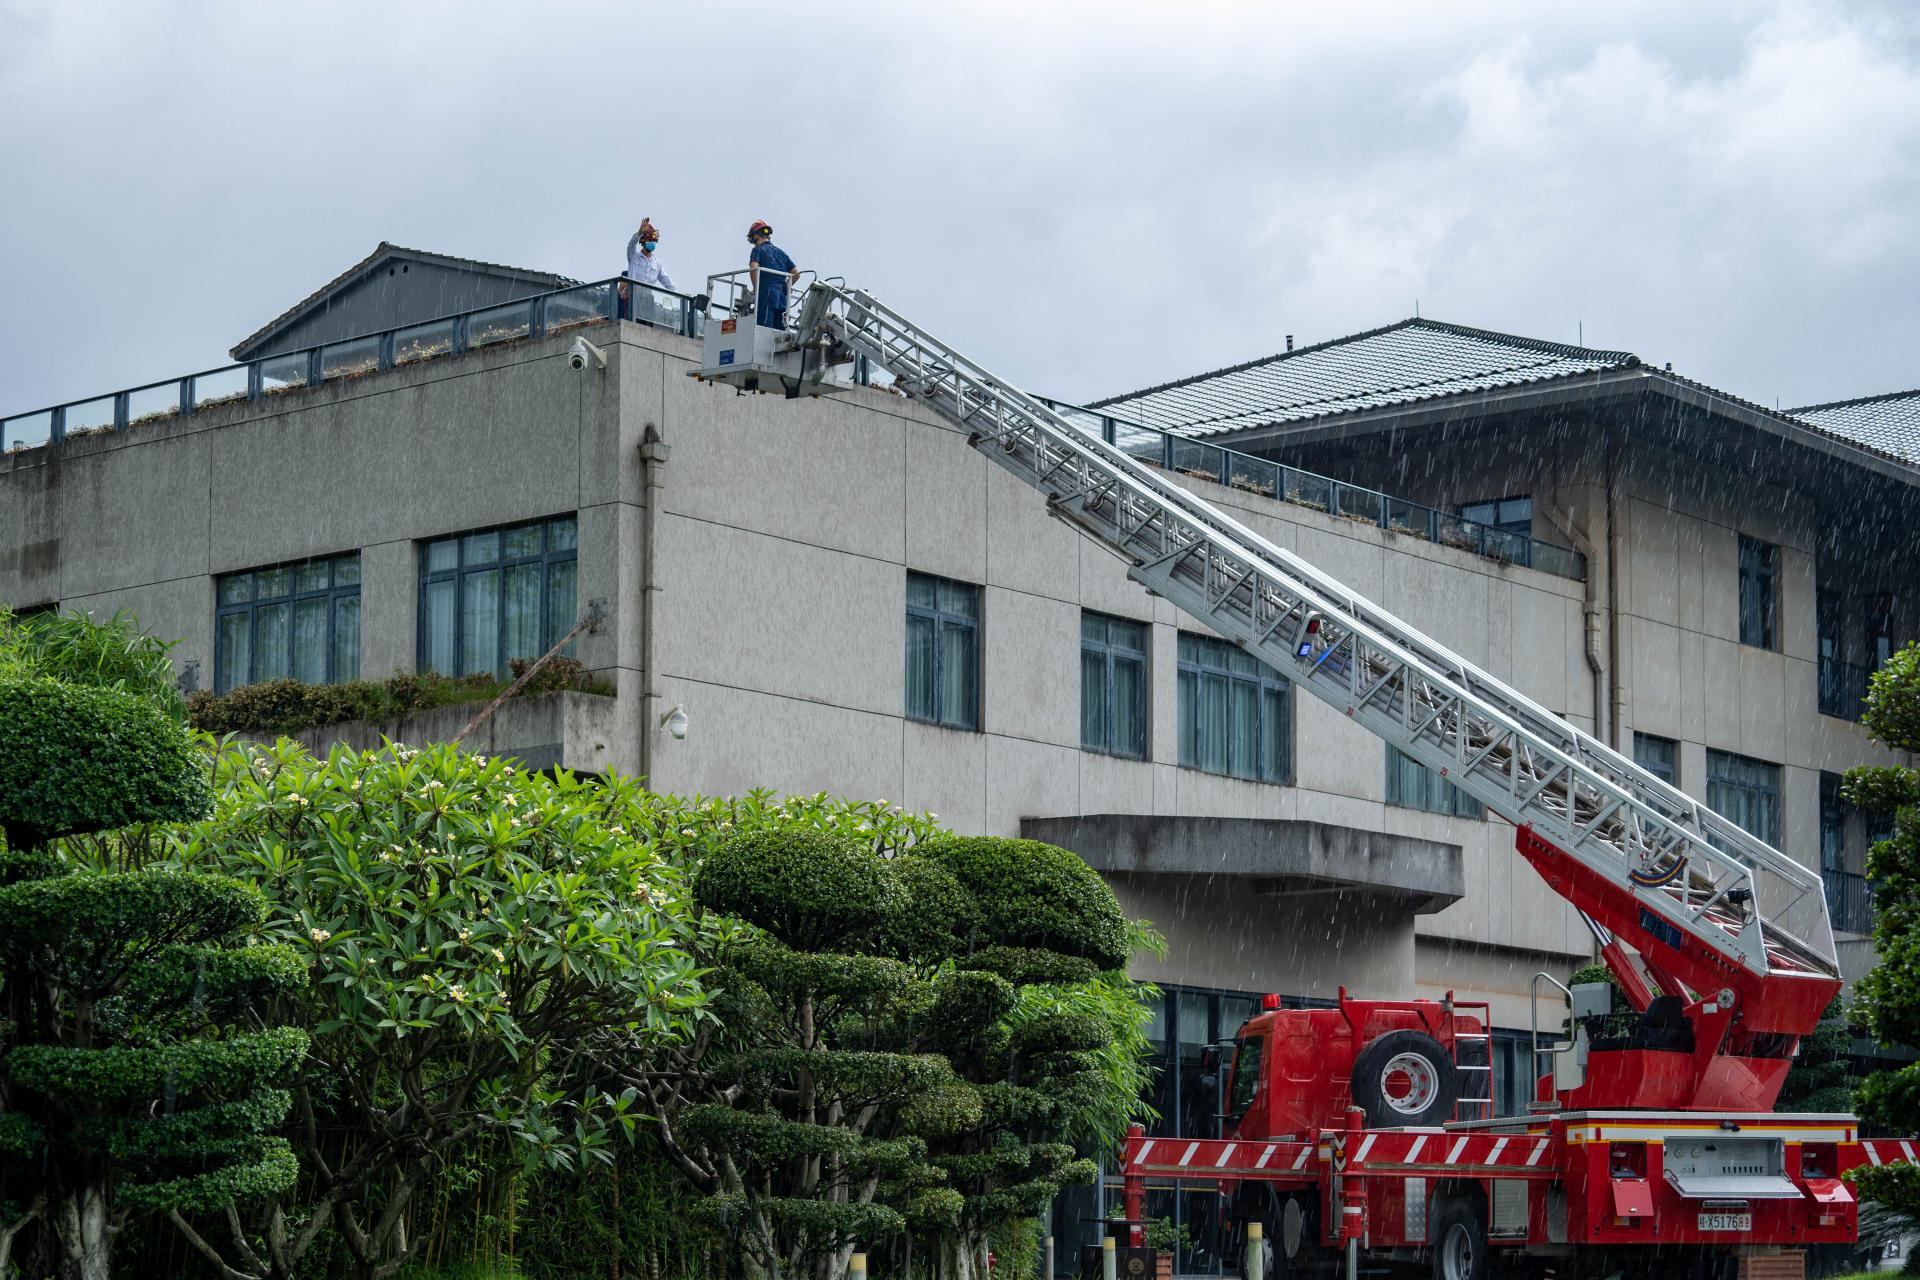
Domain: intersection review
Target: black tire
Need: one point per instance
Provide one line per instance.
(1459, 1234)
(1410, 1055)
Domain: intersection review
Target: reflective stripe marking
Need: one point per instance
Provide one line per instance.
(1539, 1149)
(1140, 1156)
(1224, 1155)
(1498, 1147)
(1458, 1147)
(1301, 1159)
(1365, 1146)
(1265, 1156)
(1872, 1154)
(1413, 1152)
(1906, 1149)
(1191, 1148)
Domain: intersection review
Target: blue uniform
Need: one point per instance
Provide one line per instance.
(774, 266)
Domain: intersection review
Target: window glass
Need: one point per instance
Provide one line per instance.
(1746, 792)
(1412, 785)
(1656, 755)
(494, 595)
(943, 651)
(1246, 1076)
(1833, 824)
(279, 622)
(1113, 685)
(1759, 593)
(1235, 713)
(346, 633)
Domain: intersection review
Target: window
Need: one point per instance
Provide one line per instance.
(490, 597)
(298, 620)
(943, 651)
(1509, 515)
(1412, 785)
(1833, 824)
(1246, 1078)
(1236, 713)
(1113, 685)
(1658, 756)
(1759, 593)
(1746, 792)
(1879, 630)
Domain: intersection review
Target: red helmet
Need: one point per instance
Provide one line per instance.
(757, 228)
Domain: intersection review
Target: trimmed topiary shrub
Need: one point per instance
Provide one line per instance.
(1035, 895)
(811, 890)
(75, 759)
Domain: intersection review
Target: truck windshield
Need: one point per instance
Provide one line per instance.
(1246, 1078)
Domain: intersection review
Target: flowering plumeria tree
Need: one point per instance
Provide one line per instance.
(486, 946)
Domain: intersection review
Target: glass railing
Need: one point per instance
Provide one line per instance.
(541, 314)
(1849, 900)
(1268, 479)
(1843, 688)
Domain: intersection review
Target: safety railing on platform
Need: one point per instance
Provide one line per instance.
(1849, 900)
(1843, 688)
(1265, 478)
(537, 315)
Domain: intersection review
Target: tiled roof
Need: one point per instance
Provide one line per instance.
(1887, 423)
(383, 251)
(1400, 364)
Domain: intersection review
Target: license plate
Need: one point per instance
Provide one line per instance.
(1726, 1222)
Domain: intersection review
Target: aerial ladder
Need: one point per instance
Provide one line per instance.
(1707, 928)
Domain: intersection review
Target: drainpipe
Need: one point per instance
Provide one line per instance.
(1563, 521)
(653, 461)
(1616, 550)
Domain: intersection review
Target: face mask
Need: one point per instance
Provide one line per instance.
(649, 245)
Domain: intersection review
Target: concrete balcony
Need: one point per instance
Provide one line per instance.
(572, 731)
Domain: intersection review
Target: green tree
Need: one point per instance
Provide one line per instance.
(913, 1043)
(1889, 995)
(485, 946)
(136, 1071)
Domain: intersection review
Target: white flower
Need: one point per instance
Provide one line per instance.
(932, 816)
(457, 993)
(513, 822)
(465, 934)
(498, 954)
(687, 832)
(616, 830)
(480, 760)
(510, 800)
(355, 786)
(319, 935)
(297, 798)
(433, 785)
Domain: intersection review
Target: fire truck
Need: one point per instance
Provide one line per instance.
(1366, 1133)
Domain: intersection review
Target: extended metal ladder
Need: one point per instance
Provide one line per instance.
(1691, 868)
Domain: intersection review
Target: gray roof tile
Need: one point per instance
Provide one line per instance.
(1403, 363)
(1886, 423)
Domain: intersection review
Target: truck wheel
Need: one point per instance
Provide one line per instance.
(1460, 1241)
(1405, 1078)
(1294, 1240)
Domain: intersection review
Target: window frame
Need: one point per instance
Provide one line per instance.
(1494, 508)
(334, 592)
(1444, 796)
(942, 620)
(1669, 771)
(1111, 652)
(1719, 778)
(1759, 577)
(428, 577)
(1190, 672)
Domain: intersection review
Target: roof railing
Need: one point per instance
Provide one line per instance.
(536, 315)
(1266, 478)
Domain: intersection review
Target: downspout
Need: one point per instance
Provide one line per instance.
(653, 461)
(1563, 520)
(1616, 546)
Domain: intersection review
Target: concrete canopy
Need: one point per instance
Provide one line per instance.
(1280, 856)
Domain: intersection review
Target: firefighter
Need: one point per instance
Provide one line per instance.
(772, 296)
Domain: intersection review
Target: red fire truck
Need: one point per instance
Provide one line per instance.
(1367, 1130)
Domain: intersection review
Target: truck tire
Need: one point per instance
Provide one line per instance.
(1294, 1237)
(1403, 1079)
(1459, 1235)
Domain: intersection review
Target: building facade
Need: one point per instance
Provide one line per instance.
(839, 594)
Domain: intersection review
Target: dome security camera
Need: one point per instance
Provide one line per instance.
(582, 352)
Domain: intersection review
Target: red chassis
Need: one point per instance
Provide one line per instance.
(1563, 1183)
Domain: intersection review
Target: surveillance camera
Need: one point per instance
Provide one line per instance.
(582, 352)
(675, 723)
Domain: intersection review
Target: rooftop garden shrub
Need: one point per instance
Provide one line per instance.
(1035, 895)
(288, 706)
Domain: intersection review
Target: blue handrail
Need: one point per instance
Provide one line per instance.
(535, 315)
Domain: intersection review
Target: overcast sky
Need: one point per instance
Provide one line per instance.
(1088, 199)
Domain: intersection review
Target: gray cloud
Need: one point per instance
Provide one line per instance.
(1088, 197)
